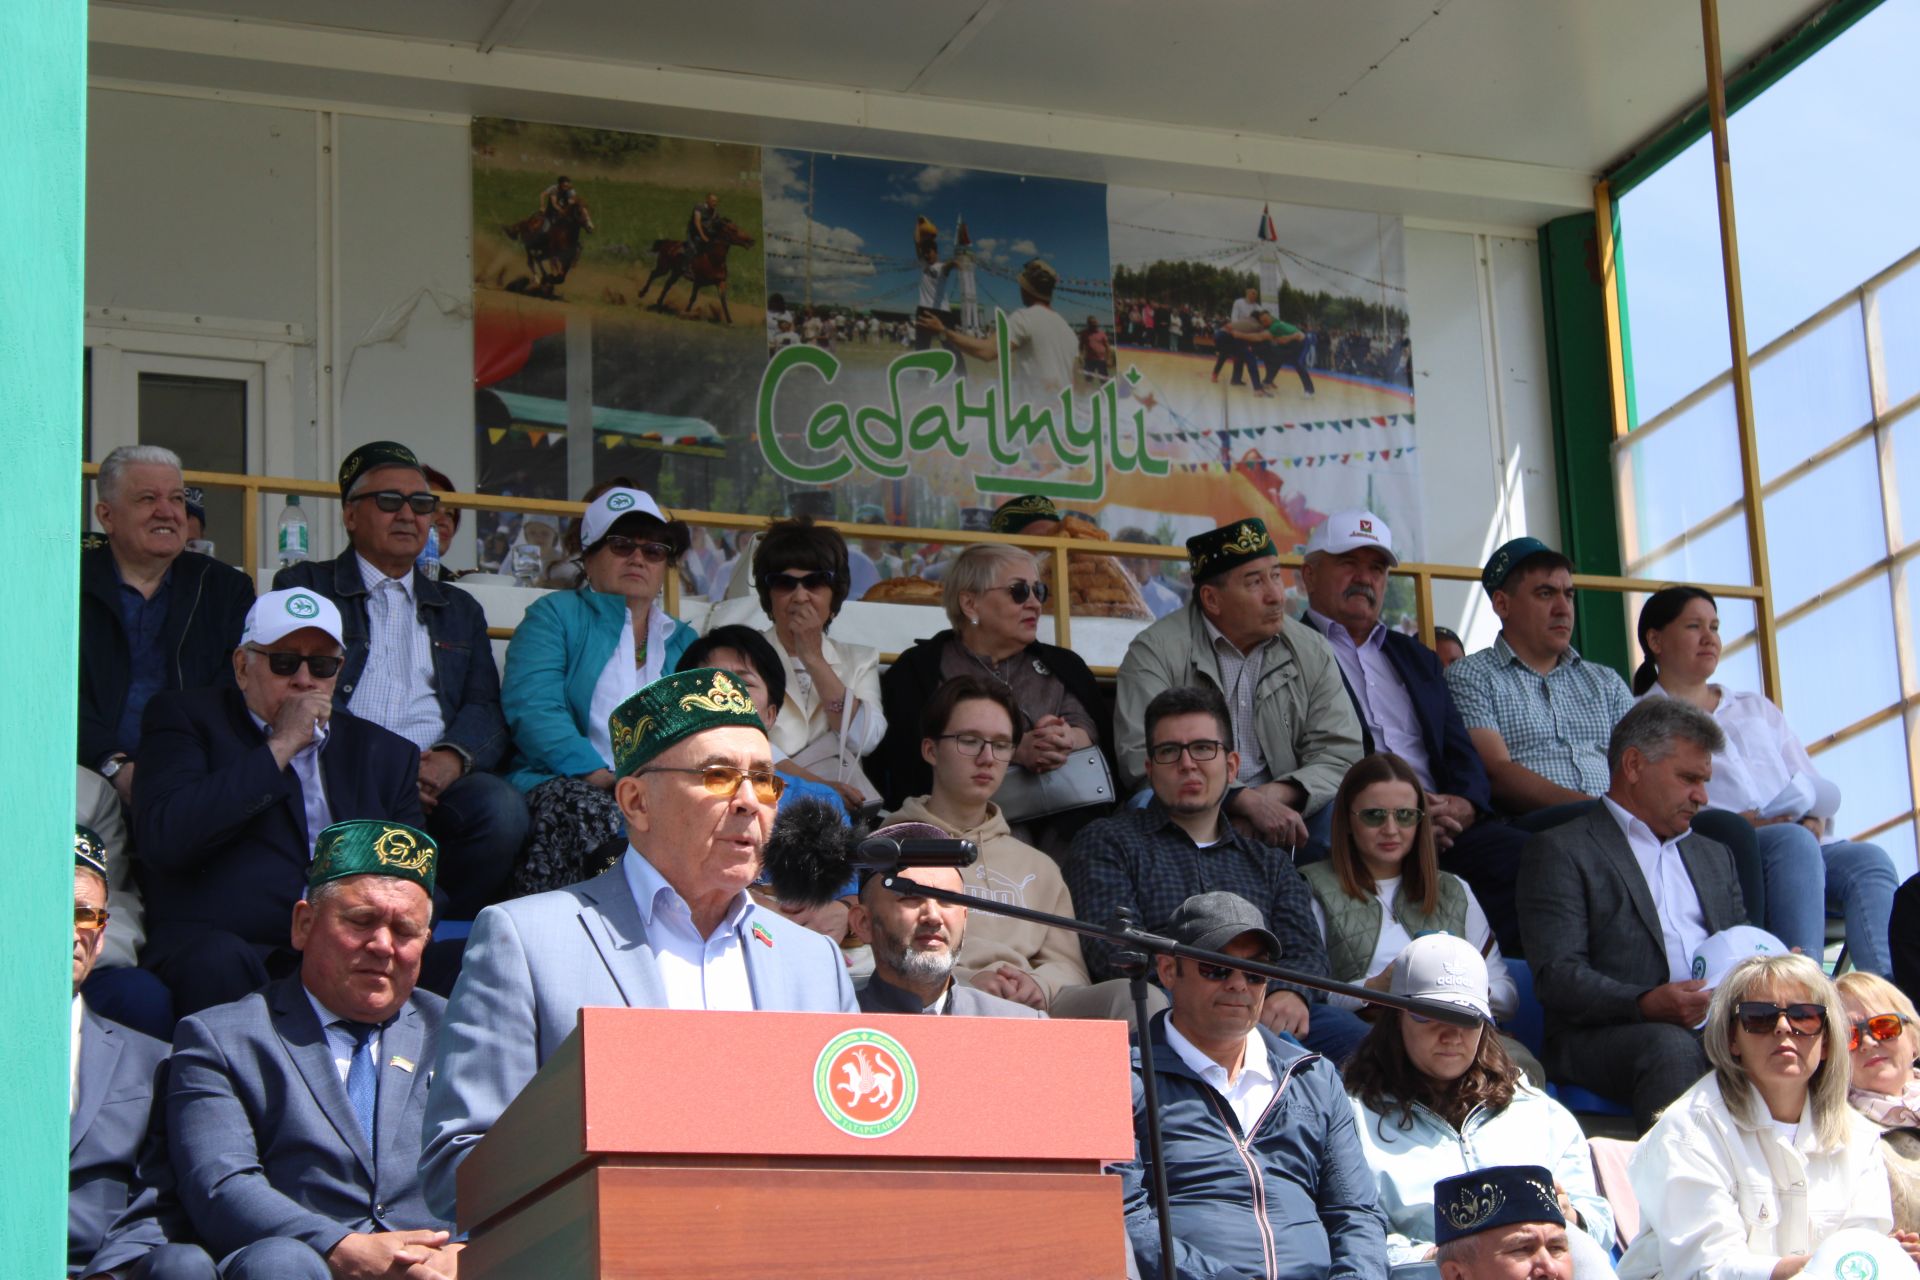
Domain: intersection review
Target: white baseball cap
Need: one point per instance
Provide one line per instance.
(1439, 966)
(611, 506)
(1716, 957)
(1858, 1253)
(279, 614)
(1345, 531)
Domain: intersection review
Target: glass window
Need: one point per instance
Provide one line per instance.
(1899, 302)
(204, 420)
(1683, 471)
(1826, 691)
(1811, 393)
(1718, 554)
(1841, 499)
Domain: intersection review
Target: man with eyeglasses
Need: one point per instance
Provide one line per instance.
(1614, 905)
(1294, 730)
(1264, 1168)
(1400, 694)
(116, 1171)
(153, 615)
(240, 783)
(419, 663)
(670, 925)
(1151, 859)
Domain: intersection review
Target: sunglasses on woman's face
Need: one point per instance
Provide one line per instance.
(623, 546)
(817, 580)
(1876, 1027)
(1020, 591)
(1757, 1018)
(1374, 819)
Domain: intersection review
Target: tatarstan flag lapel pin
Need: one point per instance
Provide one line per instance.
(761, 935)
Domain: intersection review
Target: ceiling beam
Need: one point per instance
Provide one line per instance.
(164, 46)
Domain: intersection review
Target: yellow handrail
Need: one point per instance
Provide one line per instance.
(1424, 575)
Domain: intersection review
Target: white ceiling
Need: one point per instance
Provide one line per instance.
(1569, 86)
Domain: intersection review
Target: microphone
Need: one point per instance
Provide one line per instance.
(812, 853)
(886, 852)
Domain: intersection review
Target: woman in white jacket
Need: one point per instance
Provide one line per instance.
(1750, 1169)
(1432, 1100)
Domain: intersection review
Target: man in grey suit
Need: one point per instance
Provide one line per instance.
(1613, 905)
(117, 1175)
(294, 1112)
(916, 940)
(669, 926)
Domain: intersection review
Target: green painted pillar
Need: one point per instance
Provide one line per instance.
(1579, 391)
(43, 46)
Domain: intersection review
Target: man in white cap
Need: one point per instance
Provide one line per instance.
(1399, 691)
(238, 784)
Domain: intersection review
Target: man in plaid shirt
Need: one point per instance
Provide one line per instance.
(1152, 859)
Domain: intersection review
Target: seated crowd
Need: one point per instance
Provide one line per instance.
(284, 800)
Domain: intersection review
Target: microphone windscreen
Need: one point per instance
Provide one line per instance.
(809, 852)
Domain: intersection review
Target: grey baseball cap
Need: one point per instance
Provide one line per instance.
(1211, 920)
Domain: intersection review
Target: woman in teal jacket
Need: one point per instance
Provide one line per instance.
(575, 656)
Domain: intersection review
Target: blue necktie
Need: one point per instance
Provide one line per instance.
(361, 1073)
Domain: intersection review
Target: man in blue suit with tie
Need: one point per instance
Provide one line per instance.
(117, 1176)
(236, 785)
(294, 1113)
(1401, 697)
(669, 926)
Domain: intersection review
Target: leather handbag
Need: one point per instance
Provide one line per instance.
(1082, 781)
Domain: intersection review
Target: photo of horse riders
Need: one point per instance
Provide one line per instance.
(551, 235)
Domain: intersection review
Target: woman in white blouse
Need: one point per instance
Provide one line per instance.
(831, 716)
(1382, 887)
(1750, 1169)
(1766, 776)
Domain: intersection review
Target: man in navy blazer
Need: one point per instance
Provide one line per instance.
(116, 1176)
(235, 786)
(1400, 695)
(294, 1113)
(670, 926)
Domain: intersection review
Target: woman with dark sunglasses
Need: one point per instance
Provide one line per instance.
(994, 596)
(1432, 1100)
(831, 715)
(1883, 1039)
(1762, 1159)
(577, 655)
(1382, 887)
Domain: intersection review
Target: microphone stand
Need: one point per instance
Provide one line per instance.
(1135, 961)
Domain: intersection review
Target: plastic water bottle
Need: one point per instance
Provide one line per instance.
(293, 532)
(526, 564)
(428, 561)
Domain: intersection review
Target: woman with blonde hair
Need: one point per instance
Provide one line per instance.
(1762, 1159)
(1883, 1039)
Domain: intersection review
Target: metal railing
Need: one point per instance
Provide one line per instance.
(1424, 575)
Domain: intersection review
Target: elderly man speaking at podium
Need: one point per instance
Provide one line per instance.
(669, 926)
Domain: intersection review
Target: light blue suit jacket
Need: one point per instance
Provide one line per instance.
(264, 1139)
(533, 963)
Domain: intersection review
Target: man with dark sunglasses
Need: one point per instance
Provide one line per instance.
(243, 782)
(670, 925)
(1265, 1169)
(418, 662)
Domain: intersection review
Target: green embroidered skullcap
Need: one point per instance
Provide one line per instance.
(1017, 513)
(89, 851)
(1218, 550)
(371, 456)
(1518, 554)
(373, 847)
(675, 707)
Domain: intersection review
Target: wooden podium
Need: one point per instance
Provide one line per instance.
(659, 1142)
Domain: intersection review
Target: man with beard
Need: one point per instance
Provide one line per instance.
(1293, 729)
(915, 941)
(1400, 693)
